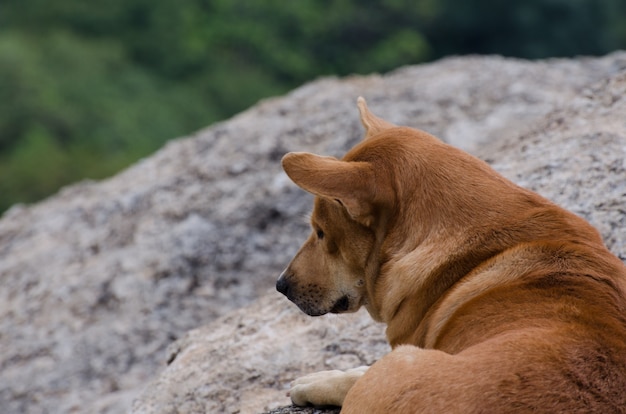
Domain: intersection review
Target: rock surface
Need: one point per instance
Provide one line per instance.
(99, 280)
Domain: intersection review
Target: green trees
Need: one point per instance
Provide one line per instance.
(531, 28)
(86, 88)
(71, 108)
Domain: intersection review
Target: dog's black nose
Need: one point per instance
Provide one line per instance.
(282, 286)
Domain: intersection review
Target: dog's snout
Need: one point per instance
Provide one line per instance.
(282, 285)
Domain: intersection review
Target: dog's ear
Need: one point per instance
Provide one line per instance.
(372, 124)
(349, 183)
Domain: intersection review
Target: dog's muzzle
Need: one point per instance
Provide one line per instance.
(342, 305)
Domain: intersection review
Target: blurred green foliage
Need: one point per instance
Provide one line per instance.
(88, 87)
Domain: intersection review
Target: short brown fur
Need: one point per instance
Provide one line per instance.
(495, 299)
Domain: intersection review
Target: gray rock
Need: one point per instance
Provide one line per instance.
(243, 362)
(99, 280)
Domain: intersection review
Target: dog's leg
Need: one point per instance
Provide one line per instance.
(324, 387)
(412, 380)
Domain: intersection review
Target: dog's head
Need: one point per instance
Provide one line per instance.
(399, 190)
(330, 271)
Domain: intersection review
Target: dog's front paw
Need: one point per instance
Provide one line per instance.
(324, 387)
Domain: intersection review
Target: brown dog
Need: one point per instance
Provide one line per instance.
(495, 299)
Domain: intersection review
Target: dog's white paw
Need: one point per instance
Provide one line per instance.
(324, 387)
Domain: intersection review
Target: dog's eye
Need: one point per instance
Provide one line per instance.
(320, 234)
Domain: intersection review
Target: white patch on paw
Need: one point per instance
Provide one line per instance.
(324, 387)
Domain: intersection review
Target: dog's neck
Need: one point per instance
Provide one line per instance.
(451, 213)
(455, 230)
(403, 304)
(412, 282)
(448, 235)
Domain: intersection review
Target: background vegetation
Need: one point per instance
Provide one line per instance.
(88, 87)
